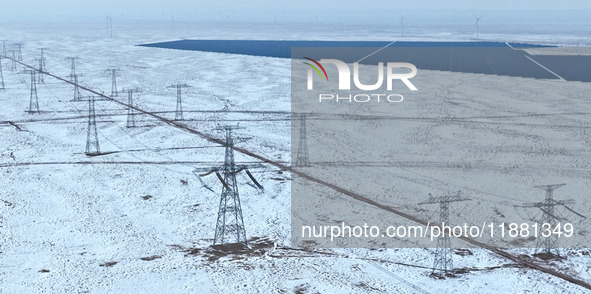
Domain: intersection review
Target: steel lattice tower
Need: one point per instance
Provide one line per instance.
(230, 223)
(550, 216)
(443, 262)
(33, 99)
(72, 67)
(302, 158)
(92, 143)
(1, 75)
(130, 110)
(77, 95)
(113, 73)
(547, 207)
(4, 48)
(13, 64)
(178, 115)
(40, 75)
(19, 47)
(41, 66)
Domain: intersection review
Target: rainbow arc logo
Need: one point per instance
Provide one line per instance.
(316, 68)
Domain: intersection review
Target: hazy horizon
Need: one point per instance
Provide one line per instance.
(327, 12)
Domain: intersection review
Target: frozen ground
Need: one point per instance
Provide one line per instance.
(68, 227)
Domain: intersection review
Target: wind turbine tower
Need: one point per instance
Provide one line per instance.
(477, 24)
(402, 25)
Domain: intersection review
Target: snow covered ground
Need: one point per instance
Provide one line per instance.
(67, 226)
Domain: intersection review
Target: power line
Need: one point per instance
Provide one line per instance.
(346, 192)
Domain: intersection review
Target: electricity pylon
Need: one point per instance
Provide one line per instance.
(33, 99)
(77, 96)
(1, 75)
(178, 115)
(40, 75)
(550, 216)
(4, 48)
(302, 158)
(130, 107)
(19, 49)
(113, 73)
(130, 112)
(230, 222)
(42, 66)
(92, 142)
(443, 262)
(72, 67)
(13, 64)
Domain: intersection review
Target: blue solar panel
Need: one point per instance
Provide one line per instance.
(495, 58)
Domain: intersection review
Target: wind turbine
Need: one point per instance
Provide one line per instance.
(402, 25)
(477, 23)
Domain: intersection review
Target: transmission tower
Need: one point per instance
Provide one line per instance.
(302, 158)
(4, 48)
(40, 75)
(230, 223)
(130, 108)
(113, 73)
(77, 95)
(41, 66)
(92, 143)
(551, 216)
(443, 262)
(72, 67)
(33, 99)
(13, 64)
(19, 47)
(1, 75)
(178, 115)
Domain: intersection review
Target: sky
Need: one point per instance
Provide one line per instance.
(340, 11)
